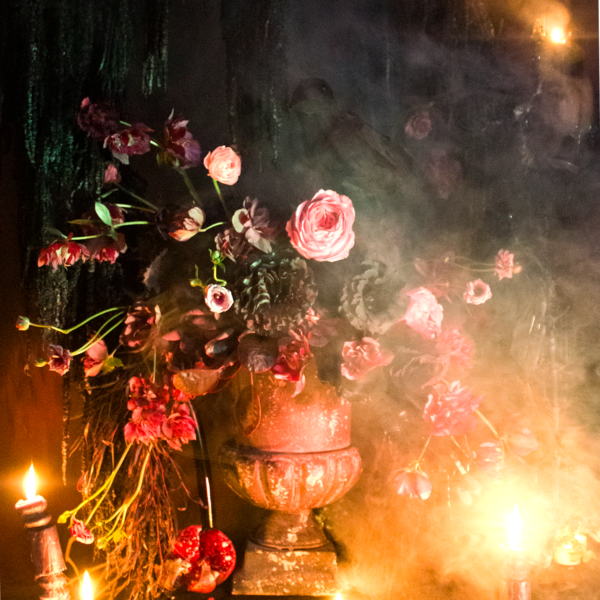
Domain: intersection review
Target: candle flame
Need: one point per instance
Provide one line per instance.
(514, 528)
(30, 484)
(87, 590)
(338, 596)
(557, 35)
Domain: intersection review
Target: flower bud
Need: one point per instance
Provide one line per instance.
(23, 323)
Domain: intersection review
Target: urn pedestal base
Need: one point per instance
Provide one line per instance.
(277, 572)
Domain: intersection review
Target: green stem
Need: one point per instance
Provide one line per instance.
(490, 426)
(135, 207)
(216, 184)
(211, 226)
(190, 186)
(97, 337)
(139, 198)
(131, 223)
(67, 331)
(86, 237)
(423, 451)
(107, 194)
(219, 281)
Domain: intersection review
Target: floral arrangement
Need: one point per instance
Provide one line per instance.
(250, 301)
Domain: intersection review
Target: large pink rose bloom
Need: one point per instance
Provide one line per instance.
(321, 228)
(223, 165)
(424, 314)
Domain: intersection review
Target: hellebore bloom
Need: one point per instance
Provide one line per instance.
(98, 120)
(218, 298)
(179, 222)
(182, 148)
(321, 228)
(224, 165)
(424, 314)
(253, 223)
(129, 141)
(450, 409)
(477, 292)
(80, 532)
(413, 483)
(362, 357)
(59, 359)
(505, 266)
(65, 253)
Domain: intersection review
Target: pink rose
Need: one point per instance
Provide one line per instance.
(321, 228)
(80, 532)
(223, 165)
(419, 125)
(362, 357)
(413, 483)
(477, 292)
(505, 266)
(424, 314)
(218, 298)
(450, 409)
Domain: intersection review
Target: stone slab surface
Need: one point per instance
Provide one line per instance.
(271, 572)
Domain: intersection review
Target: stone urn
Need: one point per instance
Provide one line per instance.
(295, 457)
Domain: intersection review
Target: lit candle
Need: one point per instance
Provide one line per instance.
(46, 553)
(87, 590)
(517, 585)
(338, 596)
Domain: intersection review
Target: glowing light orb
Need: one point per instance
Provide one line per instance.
(557, 35)
(514, 528)
(87, 590)
(30, 484)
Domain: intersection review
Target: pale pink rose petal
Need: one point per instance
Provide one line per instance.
(477, 292)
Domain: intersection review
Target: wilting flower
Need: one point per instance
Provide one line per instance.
(106, 248)
(450, 409)
(477, 292)
(179, 428)
(522, 442)
(129, 141)
(443, 172)
(419, 125)
(224, 165)
(180, 222)
(218, 298)
(111, 174)
(59, 359)
(233, 245)
(414, 483)
(491, 457)
(138, 325)
(505, 266)
(80, 532)
(292, 359)
(321, 228)
(362, 357)
(23, 323)
(98, 120)
(65, 253)
(370, 299)
(253, 223)
(454, 348)
(424, 314)
(96, 355)
(183, 149)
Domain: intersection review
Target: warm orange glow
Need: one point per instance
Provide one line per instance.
(87, 590)
(558, 36)
(30, 484)
(514, 528)
(338, 596)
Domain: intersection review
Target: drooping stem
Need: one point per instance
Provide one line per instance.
(216, 278)
(423, 451)
(211, 226)
(139, 198)
(135, 207)
(100, 334)
(131, 223)
(216, 184)
(490, 426)
(190, 186)
(67, 331)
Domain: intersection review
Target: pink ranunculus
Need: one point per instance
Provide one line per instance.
(96, 355)
(183, 149)
(179, 428)
(450, 409)
(218, 298)
(454, 348)
(129, 141)
(522, 442)
(362, 357)
(98, 120)
(253, 223)
(413, 483)
(224, 165)
(80, 532)
(477, 292)
(505, 266)
(65, 253)
(424, 314)
(292, 359)
(419, 125)
(111, 175)
(321, 228)
(59, 359)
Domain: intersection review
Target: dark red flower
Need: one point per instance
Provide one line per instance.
(253, 223)
(98, 120)
(183, 149)
(138, 326)
(59, 359)
(111, 175)
(144, 393)
(233, 245)
(65, 253)
(293, 357)
(362, 357)
(80, 532)
(129, 141)
(180, 428)
(414, 483)
(106, 248)
(180, 222)
(450, 409)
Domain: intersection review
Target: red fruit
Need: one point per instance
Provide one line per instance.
(187, 545)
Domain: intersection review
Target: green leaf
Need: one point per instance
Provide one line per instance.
(113, 233)
(110, 364)
(84, 222)
(56, 232)
(103, 213)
